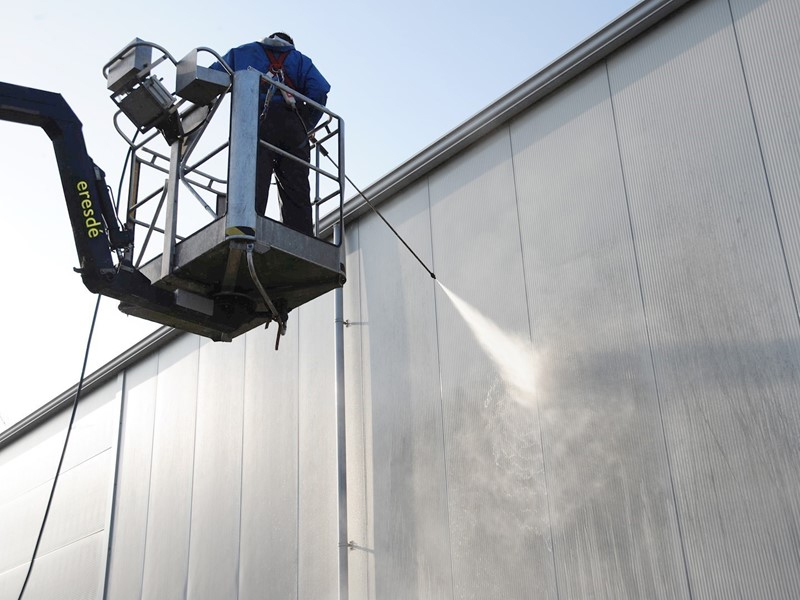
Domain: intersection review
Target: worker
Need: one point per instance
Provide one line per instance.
(284, 121)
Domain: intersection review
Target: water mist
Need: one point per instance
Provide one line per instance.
(512, 355)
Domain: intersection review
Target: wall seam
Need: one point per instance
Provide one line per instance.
(241, 467)
(150, 472)
(362, 396)
(647, 331)
(763, 162)
(297, 463)
(441, 398)
(122, 378)
(194, 460)
(530, 337)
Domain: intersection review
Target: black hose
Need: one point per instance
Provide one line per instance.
(377, 212)
(75, 400)
(63, 451)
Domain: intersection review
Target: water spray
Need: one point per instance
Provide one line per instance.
(514, 356)
(376, 211)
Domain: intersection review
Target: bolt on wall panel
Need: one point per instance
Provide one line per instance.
(498, 509)
(166, 561)
(360, 511)
(318, 544)
(613, 518)
(133, 481)
(769, 43)
(217, 479)
(412, 553)
(718, 303)
(268, 551)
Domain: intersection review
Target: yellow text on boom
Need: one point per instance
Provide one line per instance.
(93, 226)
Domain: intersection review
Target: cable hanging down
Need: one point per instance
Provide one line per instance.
(63, 452)
(74, 407)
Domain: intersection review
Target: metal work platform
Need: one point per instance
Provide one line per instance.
(213, 283)
(233, 269)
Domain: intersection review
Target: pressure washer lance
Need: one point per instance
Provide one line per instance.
(372, 206)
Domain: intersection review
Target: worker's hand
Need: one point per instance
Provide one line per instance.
(314, 143)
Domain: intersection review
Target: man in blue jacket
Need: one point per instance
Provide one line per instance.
(284, 122)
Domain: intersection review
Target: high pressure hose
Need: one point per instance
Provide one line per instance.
(63, 451)
(377, 212)
(73, 412)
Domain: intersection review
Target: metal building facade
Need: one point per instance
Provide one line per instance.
(636, 224)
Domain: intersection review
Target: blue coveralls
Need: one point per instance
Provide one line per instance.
(284, 127)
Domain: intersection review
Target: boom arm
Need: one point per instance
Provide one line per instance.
(205, 289)
(88, 203)
(91, 212)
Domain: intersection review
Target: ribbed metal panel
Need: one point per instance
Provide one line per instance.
(718, 304)
(361, 578)
(268, 552)
(26, 472)
(634, 22)
(78, 510)
(96, 425)
(33, 459)
(639, 228)
(769, 43)
(398, 333)
(166, 561)
(499, 532)
(80, 502)
(611, 505)
(133, 482)
(91, 383)
(217, 481)
(69, 573)
(20, 520)
(317, 568)
(11, 582)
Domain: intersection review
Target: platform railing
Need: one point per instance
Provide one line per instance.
(176, 178)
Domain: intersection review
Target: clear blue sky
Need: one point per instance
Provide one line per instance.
(403, 74)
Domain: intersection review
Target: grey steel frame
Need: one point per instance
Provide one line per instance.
(239, 187)
(241, 218)
(339, 175)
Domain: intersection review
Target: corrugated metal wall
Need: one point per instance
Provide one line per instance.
(639, 229)
(717, 299)
(72, 552)
(227, 485)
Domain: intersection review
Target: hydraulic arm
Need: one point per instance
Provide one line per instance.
(91, 212)
(239, 270)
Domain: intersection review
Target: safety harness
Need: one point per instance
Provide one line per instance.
(277, 73)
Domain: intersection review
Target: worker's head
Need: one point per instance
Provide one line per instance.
(282, 36)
